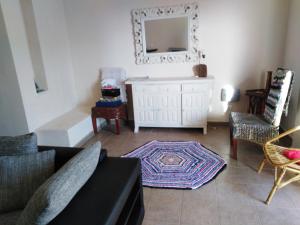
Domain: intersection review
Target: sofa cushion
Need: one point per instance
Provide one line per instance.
(10, 218)
(20, 177)
(56, 193)
(18, 145)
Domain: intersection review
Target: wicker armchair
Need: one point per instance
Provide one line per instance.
(274, 156)
(261, 128)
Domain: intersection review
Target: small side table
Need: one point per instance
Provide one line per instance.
(257, 99)
(108, 113)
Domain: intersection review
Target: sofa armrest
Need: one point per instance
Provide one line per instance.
(113, 195)
(64, 154)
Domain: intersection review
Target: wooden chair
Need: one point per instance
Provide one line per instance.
(274, 156)
(261, 128)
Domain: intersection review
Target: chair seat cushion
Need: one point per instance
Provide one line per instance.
(292, 154)
(10, 218)
(251, 127)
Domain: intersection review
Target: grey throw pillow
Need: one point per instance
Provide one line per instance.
(56, 193)
(18, 145)
(21, 176)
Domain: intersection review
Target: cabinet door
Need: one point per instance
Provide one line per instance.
(194, 108)
(158, 105)
(169, 109)
(144, 108)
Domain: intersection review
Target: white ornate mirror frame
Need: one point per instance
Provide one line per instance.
(139, 16)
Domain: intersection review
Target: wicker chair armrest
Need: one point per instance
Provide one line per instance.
(293, 130)
(291, 162)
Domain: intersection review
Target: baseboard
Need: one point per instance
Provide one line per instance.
(216, 123)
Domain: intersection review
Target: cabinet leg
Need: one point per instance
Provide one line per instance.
(136, 129)
(204, 130)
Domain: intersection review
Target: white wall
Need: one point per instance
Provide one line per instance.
(12, 114)
(241, 38)
(292, 61)
(54, 44)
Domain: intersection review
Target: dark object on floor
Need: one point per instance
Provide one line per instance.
(179, 165)
(261, 128)
(117, 113)
(258, 97)
(113, 195)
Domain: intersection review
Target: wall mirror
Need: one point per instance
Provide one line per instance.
(166, 34)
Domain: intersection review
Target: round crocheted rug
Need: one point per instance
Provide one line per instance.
(180, 165)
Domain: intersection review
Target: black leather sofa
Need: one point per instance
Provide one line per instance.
(112, 196)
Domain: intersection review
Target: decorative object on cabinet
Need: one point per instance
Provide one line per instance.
(177, 164)
(200, 70)
(171, 102)
(181, 21)
(257, 97)
(274, 154)
(259, 129)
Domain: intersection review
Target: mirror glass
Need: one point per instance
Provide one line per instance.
(166, 35)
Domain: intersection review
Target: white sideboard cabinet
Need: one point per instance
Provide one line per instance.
(171, 102)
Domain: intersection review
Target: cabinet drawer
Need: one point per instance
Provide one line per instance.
(158, 88)
(195, 87)
(146, 88)
(170, 88)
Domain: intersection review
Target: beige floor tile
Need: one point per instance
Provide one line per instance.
(245, 216)
(147, 196)
(198, 206)
(155, 222)
(165, 205)
(235, 197)
(279, 216)
(259, 194)
(293, 192)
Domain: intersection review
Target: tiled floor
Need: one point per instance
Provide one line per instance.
(234, 198)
